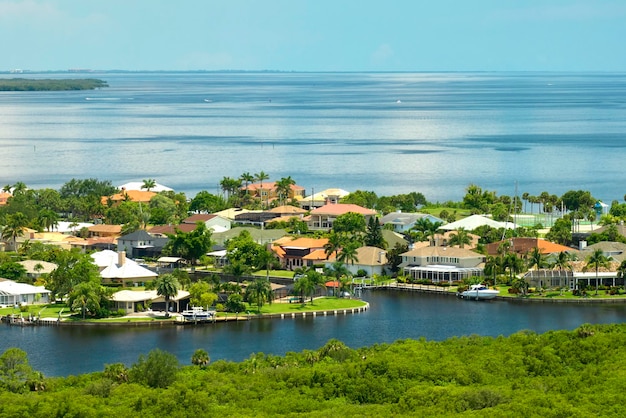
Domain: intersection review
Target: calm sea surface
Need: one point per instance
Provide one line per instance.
(58, 351)
(392, 133)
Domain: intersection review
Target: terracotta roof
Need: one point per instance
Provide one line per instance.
(306, 243)
(342, 208)
(134, 195)
(268, 185)
(113, 229)
(316, 255)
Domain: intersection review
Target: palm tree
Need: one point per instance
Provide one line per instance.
(596, 260)
(348, 254)
(167, 286)
(335, 241)
(48, 219)
(283, 188)
(492, 267)
(260, 291)
(7, 188)
(237, 269)
(621, 272)
(562, 262)
(304, 287)
(461, 238)
(428, 228)
(200, 358)
(246, 178)
(85, 297)
(148, 184)
(260, 176)
(15, 227)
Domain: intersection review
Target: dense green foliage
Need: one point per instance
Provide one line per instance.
(48, 84)
(576, 373)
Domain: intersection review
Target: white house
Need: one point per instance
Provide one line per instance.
(116, 268)
(372, 260)
(13, 293)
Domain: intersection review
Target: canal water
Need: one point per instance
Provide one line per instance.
(61, 351)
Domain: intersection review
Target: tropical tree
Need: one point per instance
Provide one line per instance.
(460, 238)
(48, 219)
(167, 286)
(237, 269)
(536, 259)
(246, 178)
(200, 358)
(201, 294)
(283, 188)
(190, 245)
(148, 184)
(493, 267)
(259, 291)
(260, 176)
(15, 372)
(621, 272)
(304, 287)
(562, 262)
(335, 242)
(348, 253)
(597, 260)
(158, 369)
(374, 235)
(73, 267)
(86, 297)
(427, 228)
(15, 227)
(350, 223)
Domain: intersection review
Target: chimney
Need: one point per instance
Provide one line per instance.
(121, 257)
(582, 245)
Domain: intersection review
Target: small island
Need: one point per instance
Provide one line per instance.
(49, 84)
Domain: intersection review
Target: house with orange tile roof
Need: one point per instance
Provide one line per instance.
(323, 217)
(522, 246)
(300, 252)
(142, 196)
(212, 221)
(267, 191)
(104, 230)
(4, 197)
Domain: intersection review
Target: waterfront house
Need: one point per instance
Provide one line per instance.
(13, 293)
(300, 252)
(372, 260)
(139, 196)
(322, 218)
(524, 245)
(139, 300)
(442, 264)
(116, 268)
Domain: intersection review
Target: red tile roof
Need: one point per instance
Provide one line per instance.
(342, 208)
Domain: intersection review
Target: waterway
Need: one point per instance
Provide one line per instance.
(61, 351)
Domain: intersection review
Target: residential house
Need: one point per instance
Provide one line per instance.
(325, 197)
(372, 260)
(35, 268)
(260, 236)
(267, 191)
(474, 221)
(4, 197)
(524, 245)
(214, 222)
(138, 301)
(139, 196)
(403, 221)
(13, 293)
(138, 185)
(300, 252)
(116, 268)
(261, 217)
(442, 264)
(140, 244)
(323, 217)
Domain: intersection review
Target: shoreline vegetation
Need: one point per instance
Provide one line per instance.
(557, 373)
(49, 84)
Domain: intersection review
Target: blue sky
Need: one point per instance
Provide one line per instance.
(314, 35)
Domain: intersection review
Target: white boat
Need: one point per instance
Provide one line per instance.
(197, 314)
(479, 292)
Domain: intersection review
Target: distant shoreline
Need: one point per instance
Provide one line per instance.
(49, 84)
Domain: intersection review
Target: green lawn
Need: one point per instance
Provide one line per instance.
(46, 311)
(320, 304)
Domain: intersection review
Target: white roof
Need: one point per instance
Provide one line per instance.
(142, 295)
(136, 185)
(472, 222)
(30, 266)
(168, 259)
(108, 260)
(9, 287)
(64, 227)
(326, 193)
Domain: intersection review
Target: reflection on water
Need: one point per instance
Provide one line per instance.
(392, 316)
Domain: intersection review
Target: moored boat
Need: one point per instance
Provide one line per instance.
(197, 314)
(479, 292)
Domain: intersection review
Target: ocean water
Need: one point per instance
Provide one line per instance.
(390, 133)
